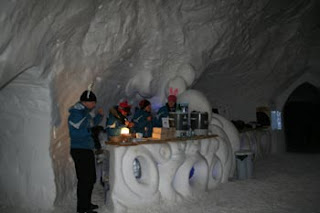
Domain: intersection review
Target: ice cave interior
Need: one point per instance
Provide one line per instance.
(230, 57)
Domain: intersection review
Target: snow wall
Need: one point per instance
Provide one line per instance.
(27, 178)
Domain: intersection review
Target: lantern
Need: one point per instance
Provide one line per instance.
(124, 131)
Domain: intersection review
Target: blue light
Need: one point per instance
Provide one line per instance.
(276, 120)
(191, 173)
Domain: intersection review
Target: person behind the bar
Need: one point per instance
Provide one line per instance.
(142, 119)
(164, 111)
(117, 119)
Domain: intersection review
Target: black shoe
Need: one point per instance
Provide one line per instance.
(93, 206)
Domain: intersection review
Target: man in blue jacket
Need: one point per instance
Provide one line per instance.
(80, 122)
(164, 111)
(117, 119)
(142, 119)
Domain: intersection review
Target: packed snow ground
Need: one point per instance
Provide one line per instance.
(288, 183)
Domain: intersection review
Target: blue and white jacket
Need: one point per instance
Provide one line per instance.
(141, 123)
(163, 112)
(80, 122)
(115, 122)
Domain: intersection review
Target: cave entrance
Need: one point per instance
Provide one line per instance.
(301, 116)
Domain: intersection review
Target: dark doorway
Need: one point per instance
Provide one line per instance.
(302, 119)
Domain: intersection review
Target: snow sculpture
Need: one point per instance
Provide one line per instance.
(218, 125)
(170, 172)
(257, 140)
(184, 78)
(175, 170)
(221, 126)
(187, 72)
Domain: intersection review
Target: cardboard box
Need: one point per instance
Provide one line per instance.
(163, 133)
(157, 130)
(159, 136)
(160, 130)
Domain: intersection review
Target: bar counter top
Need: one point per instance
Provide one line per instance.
(142, 141)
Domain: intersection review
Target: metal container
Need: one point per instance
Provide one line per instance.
(184, 107)
(199, 120)
(244, 163)
(178, 120)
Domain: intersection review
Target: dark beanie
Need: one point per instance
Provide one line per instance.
(144, 103)
(88, 97)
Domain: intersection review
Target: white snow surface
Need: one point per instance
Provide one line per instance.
(25, 109)
(287, 183)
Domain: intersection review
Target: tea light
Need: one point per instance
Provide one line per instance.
(124, 131)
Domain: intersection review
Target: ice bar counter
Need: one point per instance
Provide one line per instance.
(146, 172)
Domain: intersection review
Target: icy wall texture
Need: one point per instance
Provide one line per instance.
(26, 173)
(139, 48)
(273, 44)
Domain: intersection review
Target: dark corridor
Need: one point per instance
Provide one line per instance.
(302, 120)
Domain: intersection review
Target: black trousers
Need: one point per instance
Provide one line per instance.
(86, 174)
